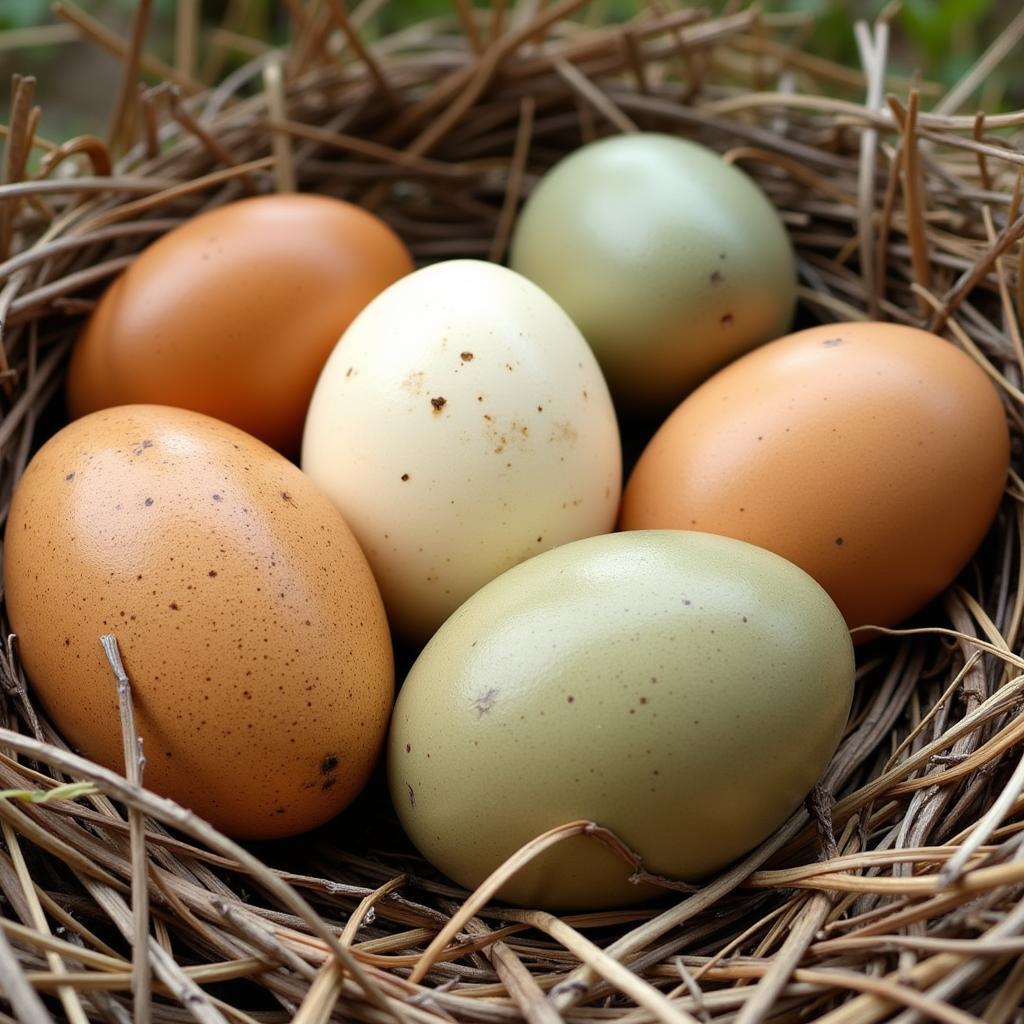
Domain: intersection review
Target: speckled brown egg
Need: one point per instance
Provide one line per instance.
(248, 619)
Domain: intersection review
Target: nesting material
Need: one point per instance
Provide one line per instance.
(895, 893)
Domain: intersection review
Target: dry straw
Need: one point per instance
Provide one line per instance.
(895, 894)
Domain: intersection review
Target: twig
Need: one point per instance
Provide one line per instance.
(135, 762)
(284, 165)
(186, 32)
(513, 187)
(122, 121)
(96, 32)
(17, 990)
(873, 50)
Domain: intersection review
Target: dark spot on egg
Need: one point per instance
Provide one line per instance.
(484, 702)
(218, 497)
(149, 501)
(70, 477)
(328, 764)
(839, 542)
(438, 403)
(716, 278)
(212, 573)
(727, 320)
(174, 606)
(405, 476)
(832, 342)
(466, 357)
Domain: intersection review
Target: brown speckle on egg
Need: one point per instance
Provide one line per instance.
(236, 651)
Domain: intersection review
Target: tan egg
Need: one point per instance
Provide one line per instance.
(235, 312)
(872, 455)
(248, 619)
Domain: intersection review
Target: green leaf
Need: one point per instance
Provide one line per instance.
(68, 791)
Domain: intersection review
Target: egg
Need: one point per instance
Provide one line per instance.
(462, 425)
(872, 455)
(671, 261)
(247, 616)
(235, 312)
(681, 689)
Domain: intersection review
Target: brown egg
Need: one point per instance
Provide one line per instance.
(873, 456)
(235, 312)
(248, 620)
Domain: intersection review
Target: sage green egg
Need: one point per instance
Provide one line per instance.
(683, 690)
(671, 261)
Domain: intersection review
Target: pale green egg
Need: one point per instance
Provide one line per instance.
(684, 690)
(671, 261)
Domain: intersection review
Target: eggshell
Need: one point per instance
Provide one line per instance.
(671, 261)
(462, 425)
(247, 616)
(872, 455)
(234, 313)
(683, 690)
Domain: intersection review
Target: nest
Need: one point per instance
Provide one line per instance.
(894, 893)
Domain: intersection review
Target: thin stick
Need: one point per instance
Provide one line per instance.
(16, 149)
(589, 92)
(122, 121)
(171, 813)
(186, 36)
(284, 164)
(873, 51)
(14, 39)
(641, 992)
(99, 34)
(17, 989)
(518, 981)
(490, 886)
(799, 937)
(517, 166)
(468, 23)
(183, 116)
(1011, 234)
(341, 19)
(1001, 47)
(1008, 999)
(913, 193)
(68, 997)
(135, 762)
(993, 817)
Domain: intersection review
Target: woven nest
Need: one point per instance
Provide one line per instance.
(896, 892)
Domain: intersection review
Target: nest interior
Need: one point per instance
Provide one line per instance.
(896, 892)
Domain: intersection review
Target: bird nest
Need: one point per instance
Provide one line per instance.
(894, 893)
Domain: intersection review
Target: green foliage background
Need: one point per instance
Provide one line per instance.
(939, 39)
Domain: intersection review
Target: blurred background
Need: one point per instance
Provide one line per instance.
(938, 39)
